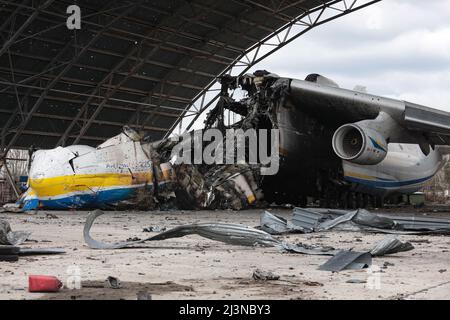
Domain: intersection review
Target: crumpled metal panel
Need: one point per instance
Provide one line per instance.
(347, 260)
(9, 237)
(224, 232)
(390, 245)
(234, 234)
(306, 218)
(278, 225)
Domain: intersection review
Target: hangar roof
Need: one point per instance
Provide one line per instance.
(142, 63)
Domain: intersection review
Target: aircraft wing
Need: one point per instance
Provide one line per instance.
(335, 107)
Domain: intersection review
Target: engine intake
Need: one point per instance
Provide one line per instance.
(359, 144)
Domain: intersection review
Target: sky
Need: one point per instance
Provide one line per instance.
(395, 48)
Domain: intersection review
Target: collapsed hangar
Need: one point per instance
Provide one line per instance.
(149, 64)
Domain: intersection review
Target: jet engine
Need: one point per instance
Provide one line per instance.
(359, 144)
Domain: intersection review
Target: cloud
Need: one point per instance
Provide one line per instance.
(396, 48)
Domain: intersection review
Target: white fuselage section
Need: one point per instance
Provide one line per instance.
(405, 170)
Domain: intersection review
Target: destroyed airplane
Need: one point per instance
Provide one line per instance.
(347, 148)
(125, 169)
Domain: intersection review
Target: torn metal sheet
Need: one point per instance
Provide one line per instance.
(306, 219)
(234, 234)
(311, 250)
(225, 232)
(390, 245)
(9, 237)
(261, 275)
(347, 260)
(274, 225)
(331, 223)
(363, 220)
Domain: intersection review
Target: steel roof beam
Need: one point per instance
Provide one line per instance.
(212, 34)
(134, 69)
(19, 31)
(281, 37)
(136, 35)
(55, 134)
(55, 81)
(108, 106)
(90, 67)
(76, 81)
(100, 122)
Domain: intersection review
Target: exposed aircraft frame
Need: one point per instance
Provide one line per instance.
(292, 30)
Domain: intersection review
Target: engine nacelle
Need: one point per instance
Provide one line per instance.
(359, 144)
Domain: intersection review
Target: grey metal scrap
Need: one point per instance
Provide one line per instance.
(390, 245)
(306, 219)
(311, 250)
(9, 237)
(273, 224)
(235, 234)
(317, 219)
(347, 260)
(329, 224)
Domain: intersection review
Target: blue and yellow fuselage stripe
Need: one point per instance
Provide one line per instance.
(83, 190)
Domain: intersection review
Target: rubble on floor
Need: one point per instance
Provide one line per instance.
(9, 237)
(316, 220)
(261, 275)
(234, 234)
(390, 245)
(10, 240)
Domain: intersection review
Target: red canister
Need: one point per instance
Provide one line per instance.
(44, 284)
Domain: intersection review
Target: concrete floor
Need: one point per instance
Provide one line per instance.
(196, 268)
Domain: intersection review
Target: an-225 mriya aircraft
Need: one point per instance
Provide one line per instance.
(344, 147)
(347, 148)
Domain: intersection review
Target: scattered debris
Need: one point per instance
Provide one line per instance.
(276, 225)
(307, 219)
(154, 229)
(234, 234)
(387, 264)
(9, 237)
(51, 216)
(315, 220)
(308, 249)
(11, 208)
(261, 275)
(347, 260)
(442, 270)
(37, 283)
(113, 282)
(390, 245)
(312, 284)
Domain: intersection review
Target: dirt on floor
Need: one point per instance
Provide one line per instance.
(197, 268)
